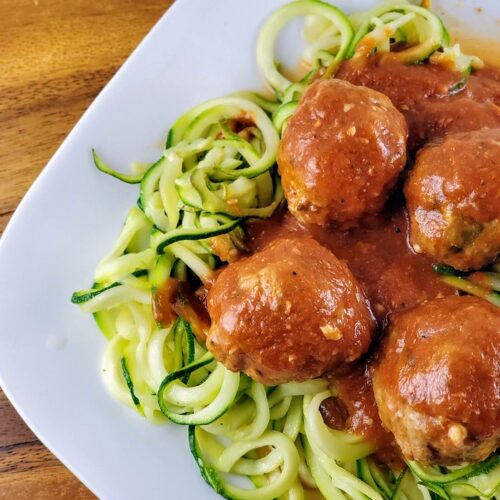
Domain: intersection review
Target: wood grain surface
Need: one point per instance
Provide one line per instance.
(55, 57)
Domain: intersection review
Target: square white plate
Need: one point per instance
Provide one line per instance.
(49, 351)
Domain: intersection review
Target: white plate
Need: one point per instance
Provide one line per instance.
(49, 351)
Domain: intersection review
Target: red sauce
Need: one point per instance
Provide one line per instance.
(433, 99)
(163, 300)
(334, 412)
(176, 299)
(393, 277)
(355, 391)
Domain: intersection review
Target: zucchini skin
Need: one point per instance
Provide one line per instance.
(100, 165)
(464, 473)
(214, 409)
(85, 295)
(130, 384)
(195, 234)
(208, 473)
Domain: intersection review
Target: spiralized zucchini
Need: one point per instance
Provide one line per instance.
(485, 285)
(407, 33)
(218, 169)
(328, 34)
(420, 30)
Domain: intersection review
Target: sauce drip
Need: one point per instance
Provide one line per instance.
(356, 392)
(176, 299)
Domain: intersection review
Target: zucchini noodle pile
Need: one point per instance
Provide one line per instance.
(218, 169)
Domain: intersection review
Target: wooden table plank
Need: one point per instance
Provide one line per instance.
(13, 430)
(30, 471)
(55, 55)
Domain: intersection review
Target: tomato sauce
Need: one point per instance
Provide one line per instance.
(356, 391)
(393, 277)
(174, 299)
(433, 99)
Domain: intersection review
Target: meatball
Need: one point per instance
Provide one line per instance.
(453, 197)
(435, 380)
(292, 311)
(341, 153)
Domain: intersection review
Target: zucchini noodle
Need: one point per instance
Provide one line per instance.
(485, 285)
(218, 169)
(422, 33)
(388, 25)
(326, 46)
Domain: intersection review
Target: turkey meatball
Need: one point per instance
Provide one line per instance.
(436, 380)
(453, 197)
(341, 153)
(292, 311)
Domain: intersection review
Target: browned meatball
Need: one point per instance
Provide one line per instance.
(436, 380)
(292, 311)
(341, 153)
(453, 196)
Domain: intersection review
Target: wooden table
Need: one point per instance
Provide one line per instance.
(55, 56)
